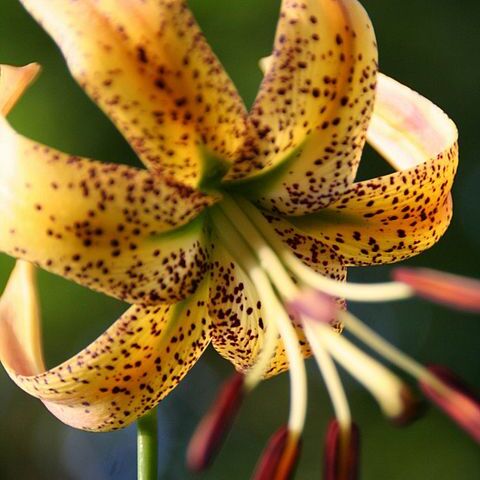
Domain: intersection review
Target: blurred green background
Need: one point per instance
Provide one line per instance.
(430, 46)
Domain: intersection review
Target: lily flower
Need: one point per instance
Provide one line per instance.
(239, 231)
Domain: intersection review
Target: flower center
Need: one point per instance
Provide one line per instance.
(293, 294)
(282, 279)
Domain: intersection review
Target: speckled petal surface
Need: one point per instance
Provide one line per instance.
(311, 251)
(108, 227)
(148, 66)
(238, 316)
(117, 378)
(393, 217)
(313, 108)
(112, 228)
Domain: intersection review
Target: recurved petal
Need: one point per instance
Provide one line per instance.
(313, 108)
(393, 217)
(117, 378)
(239, 317)
(147, 65)
(109, 227)
(13, 82)
(407, 129)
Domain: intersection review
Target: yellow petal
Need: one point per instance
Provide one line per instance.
(393, 217)
(109, 227)
(239, 317)
(13, 82)
(313, 108)
(148, 66)
(312, 252)
(317, 255)
(121, 375)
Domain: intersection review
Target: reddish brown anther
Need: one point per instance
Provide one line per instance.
(279, 459)
(459, 402)
(342, 450)
(413, 408)
(210, 433)
(455, 291)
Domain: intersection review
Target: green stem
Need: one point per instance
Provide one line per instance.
(147, 442)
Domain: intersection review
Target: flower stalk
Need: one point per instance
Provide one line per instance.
(147, 446)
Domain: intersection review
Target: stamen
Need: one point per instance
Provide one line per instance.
(393, 396)
(443, 389)
(459, 402)
(214, 427)
(342, 451)
(268, 259)
(331, 378)
(378, 292)
(439, 385)
(242, 251)
(298, 377)
(210, 433)
(279, 459)
(388, 351)
(455, 291)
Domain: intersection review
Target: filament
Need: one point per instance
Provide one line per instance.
(276, 315)
(331, 378)
(389, 351)
(378, 292)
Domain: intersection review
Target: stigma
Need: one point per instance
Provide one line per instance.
(295, 296)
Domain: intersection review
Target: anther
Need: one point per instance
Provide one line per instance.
(342, 451)
(457, 400)
(212, 430)
(279, 459)
(452, 290)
